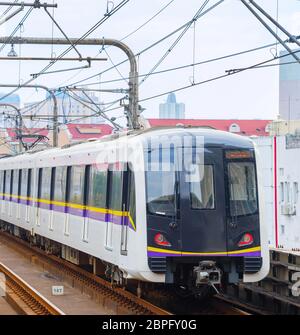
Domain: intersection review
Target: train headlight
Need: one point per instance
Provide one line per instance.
(247, 239)
(159, 239)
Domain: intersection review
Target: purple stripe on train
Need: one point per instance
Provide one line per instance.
(75, 211)
(96, 215)
(57, 208)
(162, 254)
(116, 219)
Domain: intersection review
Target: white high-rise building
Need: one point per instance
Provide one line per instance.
(289, 88)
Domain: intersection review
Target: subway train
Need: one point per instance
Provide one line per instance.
(177, 206)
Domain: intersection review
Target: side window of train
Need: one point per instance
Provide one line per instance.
(1, 181)
(4, 183)
(98, 186)
(132, 197)
(115, 189)
(60, 184)
(29, 179)
(24, 183)
(77, 178)
(19, 173)
(39, 183)
(7, 181)
(45, 183)
(202, 191)
(15, 184)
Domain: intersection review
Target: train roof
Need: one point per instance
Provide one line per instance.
(211, 137)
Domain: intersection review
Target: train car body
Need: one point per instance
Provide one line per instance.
(178, 206)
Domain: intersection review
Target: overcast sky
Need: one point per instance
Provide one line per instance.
(228, 28)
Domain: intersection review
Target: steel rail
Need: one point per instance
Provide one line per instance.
(42, 302)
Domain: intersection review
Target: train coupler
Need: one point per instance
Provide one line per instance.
(207, 273)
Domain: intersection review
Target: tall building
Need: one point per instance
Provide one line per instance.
(171, 109)
(289, 88)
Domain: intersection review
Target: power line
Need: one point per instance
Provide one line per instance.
(187, 65)
(128, 35)
(84, 36)
(25, 17)
(166, 37)
(166, 54)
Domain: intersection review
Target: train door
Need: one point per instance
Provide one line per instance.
(67, 200)
(19, 176)
(202, 206)
(12, 175)
(38, 195)
(5, 190)
(28, 194)
(51, 215)
(85, 234)
(115, 202)
(128, 202)
(2, 181)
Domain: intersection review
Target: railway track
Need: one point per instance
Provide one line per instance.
(101, 290)
(96, 287)
(25, 297)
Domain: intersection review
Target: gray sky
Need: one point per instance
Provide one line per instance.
(228, 28)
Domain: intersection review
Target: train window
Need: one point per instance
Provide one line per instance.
(15, 184)
(24, 183)
(7, 181)
(77, 185)
(115, 194)
(1, 181)
(4, 182)
(29, 182)
(45, 183)
(98, 187)
(19, 181)
(202, 193)
(132, 201)
(160, 181)
(242, 188)
(60, 183)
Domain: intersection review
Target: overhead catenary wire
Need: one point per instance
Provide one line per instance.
(198, 14)
(166, 37)
(229, 73)
(84, 36)
(25, 17)
(7, 10)
(127, 36)
(211, 60)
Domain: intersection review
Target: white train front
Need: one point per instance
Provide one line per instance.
(102, 203)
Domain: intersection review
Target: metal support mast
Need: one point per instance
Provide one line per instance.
(133, 114)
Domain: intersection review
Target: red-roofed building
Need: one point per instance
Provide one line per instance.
(241, 127)
(81, 132)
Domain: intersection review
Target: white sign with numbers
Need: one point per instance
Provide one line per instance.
(57, 290)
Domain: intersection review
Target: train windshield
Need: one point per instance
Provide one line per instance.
(202, 191)
(161, 183)
(242, 188)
